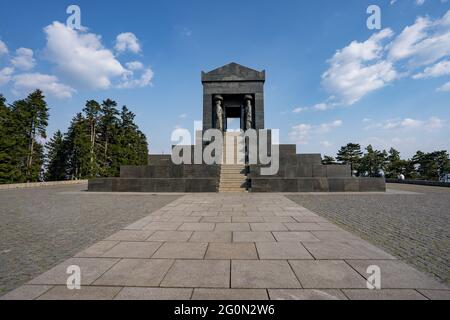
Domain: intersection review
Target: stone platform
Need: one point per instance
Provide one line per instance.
(297, 173)
(230, 247)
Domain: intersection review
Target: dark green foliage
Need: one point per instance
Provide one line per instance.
(350, 154)
(327, 160)
(23, 127)
(373, 163)
(97, 142)
(56, 158)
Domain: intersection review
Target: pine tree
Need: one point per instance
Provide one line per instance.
(108, 126)
(350, 154)
(56, 158)
(31, 119)
(77, 148)
(327, 160)
(10, 165)
(92, 111)
(373, 163)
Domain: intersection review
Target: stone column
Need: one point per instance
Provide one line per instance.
(248, 112)
(218, 101)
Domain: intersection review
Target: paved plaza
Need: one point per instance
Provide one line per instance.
(412, 223)
(43, 226)
(230, 246)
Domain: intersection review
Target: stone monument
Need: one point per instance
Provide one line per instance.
(235, 91)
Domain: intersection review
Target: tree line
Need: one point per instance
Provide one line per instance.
(98, 141)
(375, 163)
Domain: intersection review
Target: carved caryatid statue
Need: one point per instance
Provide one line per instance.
(219, 112)
(248, 112)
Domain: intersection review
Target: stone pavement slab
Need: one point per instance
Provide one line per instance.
(397, 275)
(295, 236)
(130, 235)
(26, 292)
(172, 236)
(211, 236)
(229, 251)
(262, 274)
(331, 250)
(132, 250)
(199, 274)
(91, 269)
(230, 294)
(181, 250)
(306, 294)
(97, 250)
(133, 293)
(384, 294)
(327, 274)
(85, 293)
(253, 236)
(136, 273)
(436, 294)
(282, 250)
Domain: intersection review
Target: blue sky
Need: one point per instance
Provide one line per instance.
(330, 80)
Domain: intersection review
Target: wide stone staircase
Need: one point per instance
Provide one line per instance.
(233, 177)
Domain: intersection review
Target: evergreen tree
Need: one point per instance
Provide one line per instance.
(108, 126)
(10, 164)
(77, 148)
(373, 163)
(431, 166)
(395, 165)
(92, 112)
(56, 158)
(350, 154)
(34, 118)
(327, 160)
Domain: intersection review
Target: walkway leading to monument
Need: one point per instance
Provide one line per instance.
(232, 246)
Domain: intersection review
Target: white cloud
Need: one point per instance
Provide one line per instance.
(444, 88)
(81, 56)
(423, 43)
(408, 124)
(299, 110)
(302, 133)
(23, 59)
(5, 75)
(420, 2)
(439, 69)
(3, 48)
(134, 65)
(358, 69)
(25, 83)
(127, 41)
(144, 81)
(323, 106)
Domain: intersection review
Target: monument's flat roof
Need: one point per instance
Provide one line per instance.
(233, 72)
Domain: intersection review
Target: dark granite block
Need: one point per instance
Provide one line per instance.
(320, 185)
(304, 171)
(309, 159)
(372, 185)
(319, 171)
(351, 185)
(338, 171)
(336, 185)
(305, 184)
(288, 185)
(100, 185)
